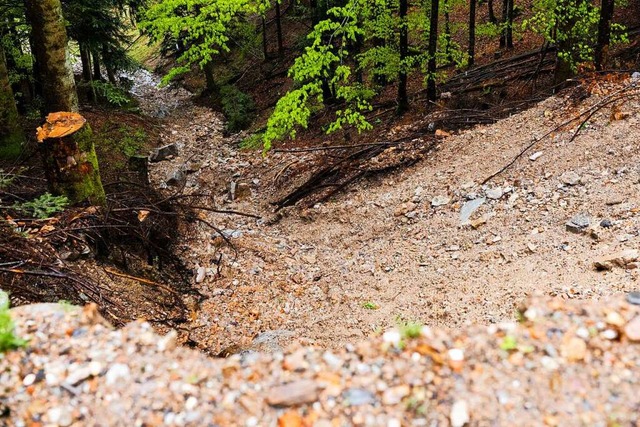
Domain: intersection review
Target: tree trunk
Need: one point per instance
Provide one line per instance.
(472, 32)
(503, 32)
(97, 74)
(11, 136)
(509, 29)
(108, 66)
(71, 167)
(211, 86)
(447, 32)
(49, 46)
(604, 33)
(492, 15)
(403, 101)
(85, 59)
(265, 46)
(279, 30)
(433, 45)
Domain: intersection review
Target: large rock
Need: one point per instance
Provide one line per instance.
(164, 153)
(579, 223)
(624, 259)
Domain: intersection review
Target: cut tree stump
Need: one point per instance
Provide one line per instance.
(70, 161)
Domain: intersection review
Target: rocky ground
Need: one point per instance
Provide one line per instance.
(564, 364)
(430, 244)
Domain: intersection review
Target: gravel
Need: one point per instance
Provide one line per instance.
(565, 363)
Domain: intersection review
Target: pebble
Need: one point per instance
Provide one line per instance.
(117, 372)
(469, 208)
(570, 178)
(495, 193)
(201, 272)
(535, 156)
(633, 298)
(632, 329)
(358, 397)
(60, 415)
(293, 393)
(394, 395)
(459, 414)
(578, 223)
(573, 349)
(606, 223)
(440, 201)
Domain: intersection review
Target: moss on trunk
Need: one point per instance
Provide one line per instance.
(71, 167)
(49, 43)
(11, 136)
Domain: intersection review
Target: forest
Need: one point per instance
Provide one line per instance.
(368, 87)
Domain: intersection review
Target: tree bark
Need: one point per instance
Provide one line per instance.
(279, 30)
(509, 29)
(492, 15)
(11, 136)
(403, 101)
(211, 86)
(265, 46)
(106, 58)
(604, 33)
(71, 167)
(85, 59)
(472, 32)
(447, 31)
(49, 44)
(97, 74)
(503, 33)
(431, 51)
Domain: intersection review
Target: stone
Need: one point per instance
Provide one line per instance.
(176, 178)
(459, 415)
(60, 415)
(394, 395)
(495, 193)
(635, 77)
(578, 223)
(632, 329)
(272, 341)
(606, 223)
(293, 393)
(469, 208)
(614, 318)
(573, 349)
(358, 397)
(570, 178)
(535, 156)
(622, 259)
(201, 273)
(78, 375)
(117, 372)
(440, 201)
(404, 208)
(164, 153)
(633, 298)
(479, 221)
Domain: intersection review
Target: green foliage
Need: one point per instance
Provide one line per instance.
(44, 206)
(238, 108)
(370, 305)
(409, 329)
(8, 338)
(509, 343)
(109, 93)
(252, 142)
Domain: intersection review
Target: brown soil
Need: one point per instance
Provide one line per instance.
(342, 270)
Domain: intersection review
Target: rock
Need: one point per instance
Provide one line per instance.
(272, 341)
(606, 223)
(623, 259)
(459, 415)
(201, 272)
(293, 393)
(578, 223)
(440, 201)
(573, 349)
(614, 318)
(633, 298)
(117, 372)
(404, 208)
(570, 178)
(535, 156)
(469, 208)
(176, 178)
(632, 329)
(394, 395)
(290, 419)
(635, 77)
(78, 375)
(495, 193)
(239, 191)
(60, 415)
(358, 397)
(164, 153)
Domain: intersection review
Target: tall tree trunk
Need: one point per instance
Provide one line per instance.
(211, 86)
(431, 51)
(279, 30)
(503, 32)
(492, 15)
(447, 32)
(509, 29)
(472, 32)
(108, 65)
(265, 46)
(49, 44)
(85, 59)
(403, 101)
(11, 136)
(604, 33)
(97, 74)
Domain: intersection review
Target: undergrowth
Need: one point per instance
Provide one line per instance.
(8, 338)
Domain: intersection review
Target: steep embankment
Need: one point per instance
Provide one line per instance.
(396, 247)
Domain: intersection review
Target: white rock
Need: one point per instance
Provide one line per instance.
(535, 156)
(440, 201)
(117, 372)
(495, 193)
(200, 274)
(459, 414)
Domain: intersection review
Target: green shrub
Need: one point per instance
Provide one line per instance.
(8, 339)
(44, 206)
(111, 94)
(238, 107)
(252, 142)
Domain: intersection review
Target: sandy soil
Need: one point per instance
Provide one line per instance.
(381, 253)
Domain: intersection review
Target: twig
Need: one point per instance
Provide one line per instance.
(140, 279)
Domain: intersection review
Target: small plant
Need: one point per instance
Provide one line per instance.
(409, 329)
(509, 343)
(370, 305)
(44, 206)
(8, 339)
(252, 142)
(113, 95)
(238, 108)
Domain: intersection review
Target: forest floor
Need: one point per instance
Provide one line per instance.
(393, 249)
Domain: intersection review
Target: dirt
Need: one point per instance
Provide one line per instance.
(351, 267)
